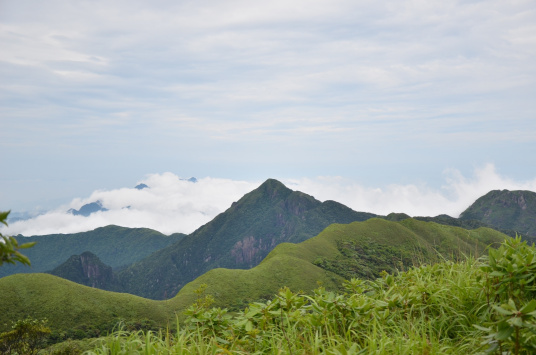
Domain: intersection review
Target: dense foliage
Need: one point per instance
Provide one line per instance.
(9, 247)
(87, 269)
(27, 336)
(481, 305)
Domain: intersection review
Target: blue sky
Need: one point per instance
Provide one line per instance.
(101, 94)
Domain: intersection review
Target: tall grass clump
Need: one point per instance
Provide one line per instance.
(475, 306)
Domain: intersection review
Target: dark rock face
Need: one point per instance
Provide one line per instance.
(87, 269)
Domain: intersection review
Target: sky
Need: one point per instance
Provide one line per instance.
(382, 105)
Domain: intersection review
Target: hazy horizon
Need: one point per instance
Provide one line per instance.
(172, 204)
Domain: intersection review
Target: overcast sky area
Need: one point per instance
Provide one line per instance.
(406, 106)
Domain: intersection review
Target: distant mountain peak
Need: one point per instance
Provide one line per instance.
(87, 269)
(88, 209)
(192, 179)
(273, 185)
(505, 209)
(238, 238)
(141, 186)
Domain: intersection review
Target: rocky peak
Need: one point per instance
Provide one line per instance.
(87, 269)
(504, 209)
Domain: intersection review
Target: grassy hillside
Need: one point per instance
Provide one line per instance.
(359, 249)
(69, 305)
(340, 251)
(238, 238)
(115, 246)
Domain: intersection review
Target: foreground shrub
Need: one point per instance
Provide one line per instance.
(26, 337)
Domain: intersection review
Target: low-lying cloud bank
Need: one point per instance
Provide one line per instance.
(171, 204)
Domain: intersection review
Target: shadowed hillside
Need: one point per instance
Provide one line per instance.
(87, 269)
(115, 246)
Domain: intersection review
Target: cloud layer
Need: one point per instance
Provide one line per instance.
(172, 204)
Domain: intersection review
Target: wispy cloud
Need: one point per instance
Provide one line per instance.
(171, 204)
(455, 195)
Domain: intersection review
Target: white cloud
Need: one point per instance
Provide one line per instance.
(169, 205)
(457, 193)
(174, 205)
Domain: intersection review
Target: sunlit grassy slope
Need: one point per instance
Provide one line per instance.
(356, 249)
(67, 304)
(370, 246)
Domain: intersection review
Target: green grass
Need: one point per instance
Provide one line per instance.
(443, 308)
(294, 265)
(68, 305)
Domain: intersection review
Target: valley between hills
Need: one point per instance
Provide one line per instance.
(273, 237)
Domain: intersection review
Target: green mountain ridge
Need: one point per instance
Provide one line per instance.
(504, 209)
(115, 246)
(238, 238)
(358, 249)
(340, 251)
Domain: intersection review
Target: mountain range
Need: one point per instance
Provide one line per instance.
(116, 246)
(239, 238)
(271, 237)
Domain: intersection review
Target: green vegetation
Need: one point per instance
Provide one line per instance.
(70, 306)
(323, 258)
(466, 224)
(26, 337)
(9, 247)
(474, 306)
(115, 246)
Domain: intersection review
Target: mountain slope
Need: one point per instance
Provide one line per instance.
(359, 249)
(238, 238)
(514, 210)
(115, 246)
(87, 269)
(68, 305)
(339, 252)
